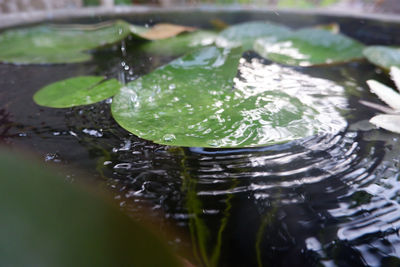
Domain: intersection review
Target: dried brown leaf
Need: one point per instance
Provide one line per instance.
(165, 30)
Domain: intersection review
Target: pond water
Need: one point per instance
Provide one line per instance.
(331, 200)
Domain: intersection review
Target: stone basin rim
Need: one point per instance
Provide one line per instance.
(33, 17)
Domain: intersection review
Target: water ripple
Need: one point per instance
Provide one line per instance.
(329, 199)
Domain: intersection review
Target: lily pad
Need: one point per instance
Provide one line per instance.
(58, 44)
(383, 56)
(244, 34)
(82, 90)
(308, 47)
(180, 44)
(196, 101)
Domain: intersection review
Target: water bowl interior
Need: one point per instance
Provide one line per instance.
(329, 199)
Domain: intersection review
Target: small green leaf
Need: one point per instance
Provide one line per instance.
(59, 44)
(244, 34)
(47, 221)
(309, 47)
(192, 102)
(172, 105)
(383, 56)
(83, 90)
(180, 44)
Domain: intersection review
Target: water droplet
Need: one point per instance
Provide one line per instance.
(92, 132)
(54, 157)
(214, 143)
(169, 137)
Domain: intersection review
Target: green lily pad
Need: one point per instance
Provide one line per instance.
(244, 34)
(46, 221)
(59, 44)
(192, 102)
(77, 91)
(383, 56)
(309, 47)
(180, 44)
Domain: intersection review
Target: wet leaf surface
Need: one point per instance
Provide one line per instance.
(310, 46)
(180, 44)
(383, 56)
(77, 91)
(195, 101)
(244, 34)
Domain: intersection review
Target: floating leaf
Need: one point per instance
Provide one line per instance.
(162, 105)
(165, 30)
(386, 94)
(48, 222)
(244, 34)
(137, 30)
(387, 122)
(58, 44)
(191, 102)
(180, 44)
(76, 91)
(308, 47)
(383, 56)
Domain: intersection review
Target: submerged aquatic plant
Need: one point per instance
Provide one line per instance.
(391, 120)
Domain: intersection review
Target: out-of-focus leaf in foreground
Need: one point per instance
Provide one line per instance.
(46, 221)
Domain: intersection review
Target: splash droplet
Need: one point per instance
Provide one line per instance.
(169, 137)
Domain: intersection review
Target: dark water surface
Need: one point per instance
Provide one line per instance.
(330, 200)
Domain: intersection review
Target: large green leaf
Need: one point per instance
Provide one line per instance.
(308, 47)
(45, 221)
(191, 102)
(77, 91)
(59, 44)
(180, 44)
(383, 56)
(244, 34)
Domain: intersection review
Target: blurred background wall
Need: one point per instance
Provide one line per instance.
(375, 6)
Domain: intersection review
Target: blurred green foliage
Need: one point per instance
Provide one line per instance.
(122, 2)
(47, 222)
(91, 2)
